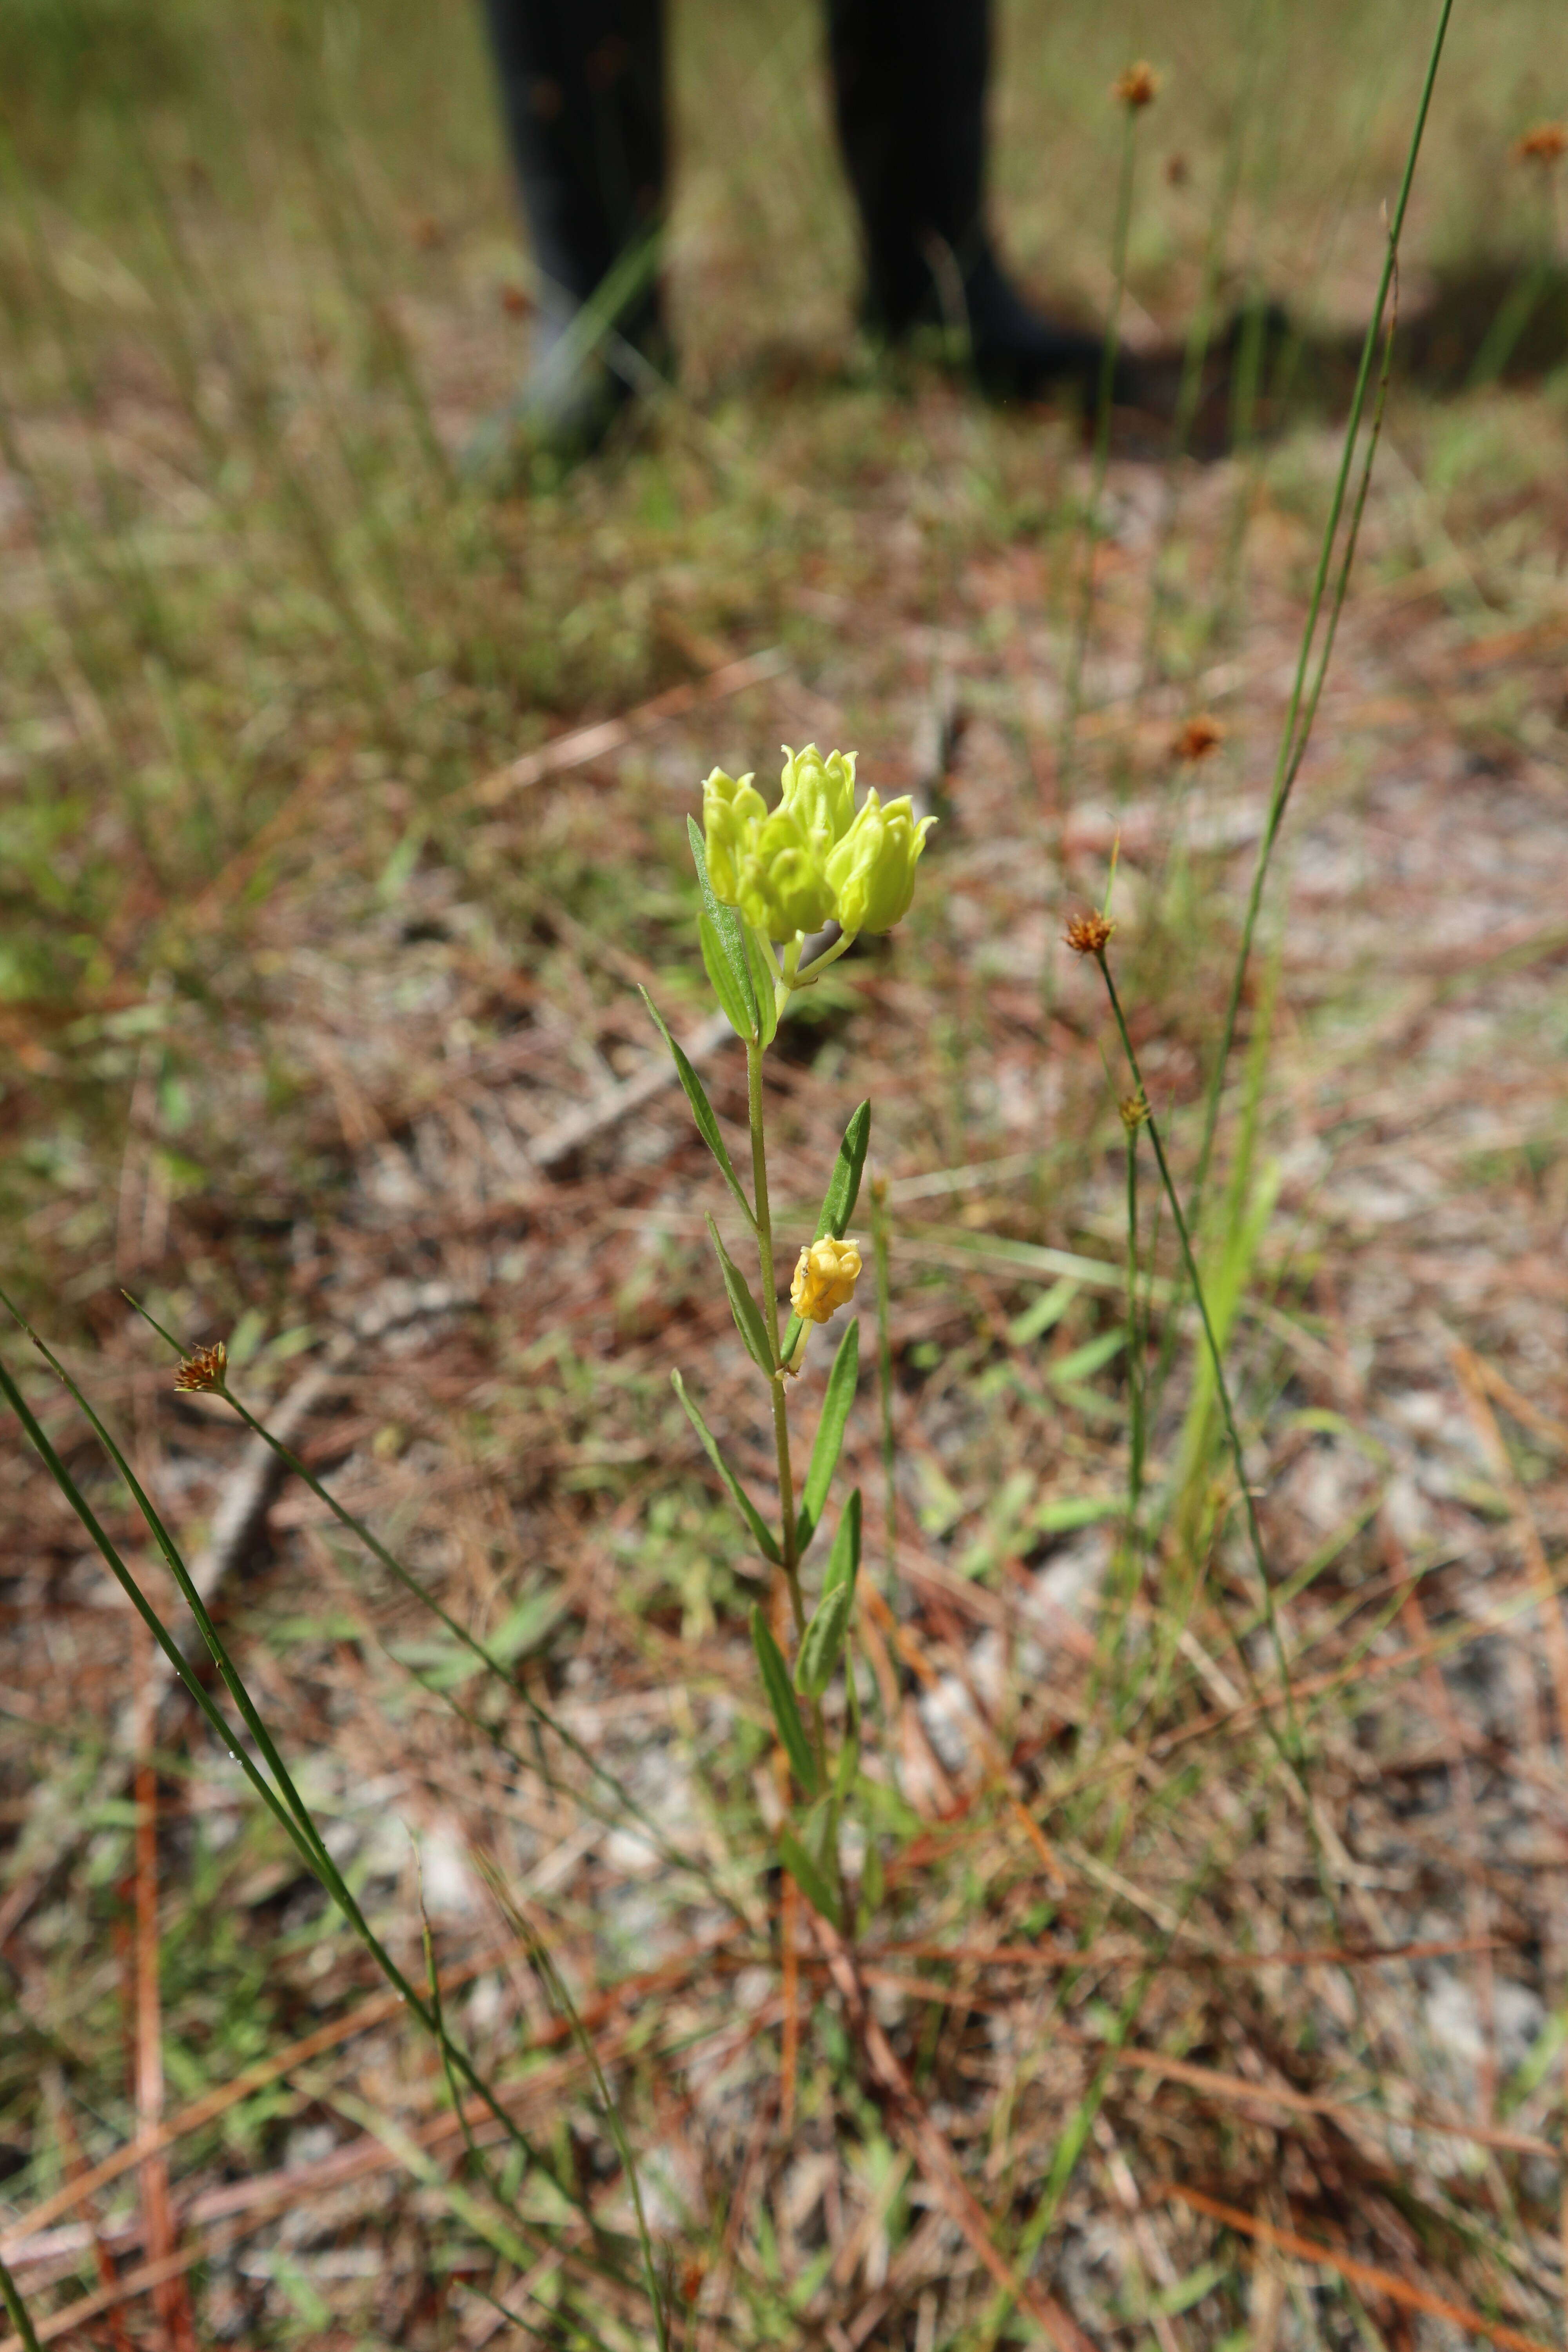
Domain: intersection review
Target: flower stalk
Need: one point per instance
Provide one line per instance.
(769, 879)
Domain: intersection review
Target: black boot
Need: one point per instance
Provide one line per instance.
(910, 82)
(581, 90)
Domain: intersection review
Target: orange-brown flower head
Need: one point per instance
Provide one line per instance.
(1198, 737)
(825, 1278)
(207, 1368)
(1087, 934)
(1134, 1109)
(1137, 87)
(1544, 143)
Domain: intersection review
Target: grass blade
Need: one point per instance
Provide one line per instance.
(17, 2310)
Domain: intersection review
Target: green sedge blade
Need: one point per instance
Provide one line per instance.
(781, 1699)
(729, 933)
(843, 1559)
(829, 1439)
(748, 1314)
(839, 1200)
(822, 1641)
(762, 1534)
(806, 1874)
(701, 1110)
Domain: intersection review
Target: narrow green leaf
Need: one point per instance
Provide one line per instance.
(839, 1200)
(748, 1314)
(848, 1766)
(843, 1184)
(829, 1439)
(810, 1880)
(701, 1110)
(729, 931)
(764, 980)
(721, 979)
(781, 1699)
(822, 1641)
(762, 1534)
(843, 1559)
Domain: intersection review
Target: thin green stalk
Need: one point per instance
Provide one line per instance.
(791, 1563)
(1201, 331)
(1216, 1361)
(307, 1842)
(1212, 1102)
(1291, 750)
(411, 1585)
(1133, 1114)
(17, 2309)
(1101, 446)
(544, 1962)
(770, 1321)
(885, 1380)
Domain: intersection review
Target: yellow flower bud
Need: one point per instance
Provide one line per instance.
(820, 795)
(781, 887)
(731, 812)
(872, 870)
(824, 1279)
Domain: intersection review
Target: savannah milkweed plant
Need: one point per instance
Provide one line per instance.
(769, 880)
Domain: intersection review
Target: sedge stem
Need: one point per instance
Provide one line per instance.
(1217, 1363)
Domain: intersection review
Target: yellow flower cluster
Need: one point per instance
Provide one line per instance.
(815, 857)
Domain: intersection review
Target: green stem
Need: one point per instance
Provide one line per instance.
(307, 1843)
(776, 1384)
(885, 1379)
(1135, 1367)
(17, 2309)
(1216, 1362)
(1101, 446)
(841, 946)
(1291, 750)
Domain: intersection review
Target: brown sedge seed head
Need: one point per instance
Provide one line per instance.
(1134, 1111)
(1087, 934)
(1544, 143)
(1138, 86)
(1198, 736)
(204, 1369)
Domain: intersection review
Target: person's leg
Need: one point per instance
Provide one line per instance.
(910, 83)
(582, 93)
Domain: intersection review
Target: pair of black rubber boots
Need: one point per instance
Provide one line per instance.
(583, 92)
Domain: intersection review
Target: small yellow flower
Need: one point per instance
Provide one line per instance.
(824, 1279)
(207, 1368)
(1134, 1111)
